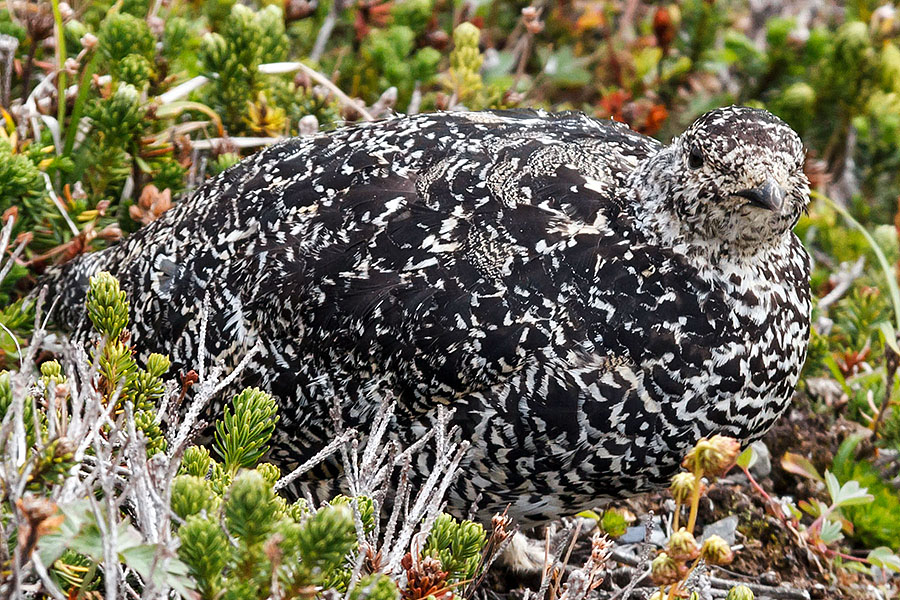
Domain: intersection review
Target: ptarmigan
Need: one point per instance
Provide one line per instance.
(589, 301)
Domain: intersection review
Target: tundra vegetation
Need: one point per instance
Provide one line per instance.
(112, 112)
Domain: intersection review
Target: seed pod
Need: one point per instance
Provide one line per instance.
(740, 592)
(683, 546)
(713, 456)
(716, 551)
(664, 570)
(683, 486)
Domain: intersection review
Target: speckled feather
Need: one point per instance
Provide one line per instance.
(589, 301)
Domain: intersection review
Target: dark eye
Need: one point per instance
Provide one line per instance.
(695, 160)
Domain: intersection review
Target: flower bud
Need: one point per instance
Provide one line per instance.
(24, 238)
(664, 29)
(534, 27)
(157, 25)
(683, 486)
(665, 570)
(466, 34)
(88, 41)
(308, 125)
(683, 546)
(716, 551)
(740, 592)
(501, 522)
(712, 456)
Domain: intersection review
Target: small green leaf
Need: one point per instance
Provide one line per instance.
(798, 465)
(790, 510)
(813, 509)
(849, 494)
(835, 371)
(831, 532)
(747, 458)
(833, 485)
(143, 165)
(614, 523)
(852, 565)
(883, 557)
(889, 334)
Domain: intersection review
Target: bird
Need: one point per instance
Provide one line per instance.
(589, 301)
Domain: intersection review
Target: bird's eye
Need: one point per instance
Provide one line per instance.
(695, 160)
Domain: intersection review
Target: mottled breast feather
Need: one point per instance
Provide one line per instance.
(485, 261)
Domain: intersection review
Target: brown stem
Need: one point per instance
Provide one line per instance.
(26, 71)
(695, 501)
(833, 553)
(527, 42)
(836, 149)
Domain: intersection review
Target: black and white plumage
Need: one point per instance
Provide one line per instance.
(589, 301)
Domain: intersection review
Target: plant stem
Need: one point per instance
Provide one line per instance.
(61, 65)
(526, 43)
(816, 526)
(677, 586)
(83, 89)
(333, 88)
(759, 489)
(26, 70)
(695, 501)
(833, 553)
(325, 30)
(8, 47)
(835, 151)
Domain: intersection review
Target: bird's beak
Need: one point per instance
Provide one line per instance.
(768, 195)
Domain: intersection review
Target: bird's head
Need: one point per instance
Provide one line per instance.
(734, 177)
